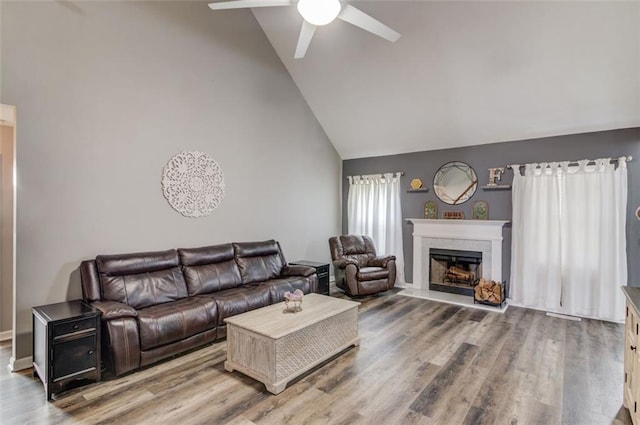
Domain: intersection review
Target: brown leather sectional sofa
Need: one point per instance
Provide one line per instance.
(158, 304)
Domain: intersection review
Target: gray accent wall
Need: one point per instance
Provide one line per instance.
(423, 165)
(107, 93)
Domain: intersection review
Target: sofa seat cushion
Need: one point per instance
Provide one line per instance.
(372, 273)
(166, 323)
(239, 300)
(278, 287)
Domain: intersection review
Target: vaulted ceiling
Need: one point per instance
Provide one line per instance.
(465, 73)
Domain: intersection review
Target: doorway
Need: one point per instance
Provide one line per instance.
(7, 218)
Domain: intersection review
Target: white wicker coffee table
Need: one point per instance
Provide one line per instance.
(275, 347)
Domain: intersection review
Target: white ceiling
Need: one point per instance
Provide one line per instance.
(466, 73)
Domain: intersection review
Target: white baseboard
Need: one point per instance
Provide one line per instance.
(6, 335)
(20, 364)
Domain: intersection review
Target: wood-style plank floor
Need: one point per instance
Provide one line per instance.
(419, 362)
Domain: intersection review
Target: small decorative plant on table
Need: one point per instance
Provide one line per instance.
(293, 300)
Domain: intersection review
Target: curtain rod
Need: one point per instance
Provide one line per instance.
(628, 158)
(382, 174)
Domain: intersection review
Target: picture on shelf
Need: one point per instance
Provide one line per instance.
(480, 210)
(453, 215)
(430, 210)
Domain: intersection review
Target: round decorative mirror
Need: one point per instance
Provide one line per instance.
(455, 182)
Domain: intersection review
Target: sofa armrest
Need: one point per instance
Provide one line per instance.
(381, 261)
(295, 270)
(114, 310)
(344, 262)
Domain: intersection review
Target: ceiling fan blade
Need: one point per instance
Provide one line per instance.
(360, 19)
(241, 4)
(306, 33)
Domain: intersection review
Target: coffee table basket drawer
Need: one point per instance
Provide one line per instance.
(315, 343)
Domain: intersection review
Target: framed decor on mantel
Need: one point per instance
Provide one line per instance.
(430, 210)
(452, 215)
(480, 210)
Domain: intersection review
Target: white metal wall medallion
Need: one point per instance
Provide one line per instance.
(193, 184)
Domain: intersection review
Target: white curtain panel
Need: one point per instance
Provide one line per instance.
(594, 239)
(374, 209)
(535, 257)
(569, 241)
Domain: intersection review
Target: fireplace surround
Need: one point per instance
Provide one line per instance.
(483, 236)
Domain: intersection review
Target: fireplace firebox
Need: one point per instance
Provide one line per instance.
(454, 271)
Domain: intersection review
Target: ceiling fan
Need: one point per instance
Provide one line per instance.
(316, 13)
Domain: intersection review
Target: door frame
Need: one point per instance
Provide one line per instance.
(8, 117)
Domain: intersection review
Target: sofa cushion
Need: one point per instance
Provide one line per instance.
(278, 287)
(239, 300)
(258, 261)
(145, 289)
(205, 255)
(209, 269)
(141, 279)
(355, 247)
(166, 323)
(141, 262)
(372, 273)
(212, 277)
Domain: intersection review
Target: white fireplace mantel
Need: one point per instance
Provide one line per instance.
(432, 233)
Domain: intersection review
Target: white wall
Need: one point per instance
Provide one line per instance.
(107, 93)
(466, 73)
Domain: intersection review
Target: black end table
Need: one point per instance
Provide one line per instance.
(66, 344)
(322, 270)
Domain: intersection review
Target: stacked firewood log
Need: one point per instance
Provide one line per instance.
(457, 274)
(489, 291)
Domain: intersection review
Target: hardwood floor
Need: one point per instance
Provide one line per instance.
(419, 362)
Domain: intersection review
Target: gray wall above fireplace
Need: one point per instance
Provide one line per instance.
(423, 165)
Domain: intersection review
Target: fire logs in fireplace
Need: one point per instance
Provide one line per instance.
(457, 275)
(454, 271)
(489, 292)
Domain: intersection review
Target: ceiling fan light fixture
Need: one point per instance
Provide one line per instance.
(319, 12)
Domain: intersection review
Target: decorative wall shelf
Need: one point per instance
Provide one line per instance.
(497, 187)
(422, 189)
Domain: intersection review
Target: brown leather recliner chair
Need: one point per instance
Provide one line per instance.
(358, 270)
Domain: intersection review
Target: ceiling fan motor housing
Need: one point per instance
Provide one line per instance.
(319, 12)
